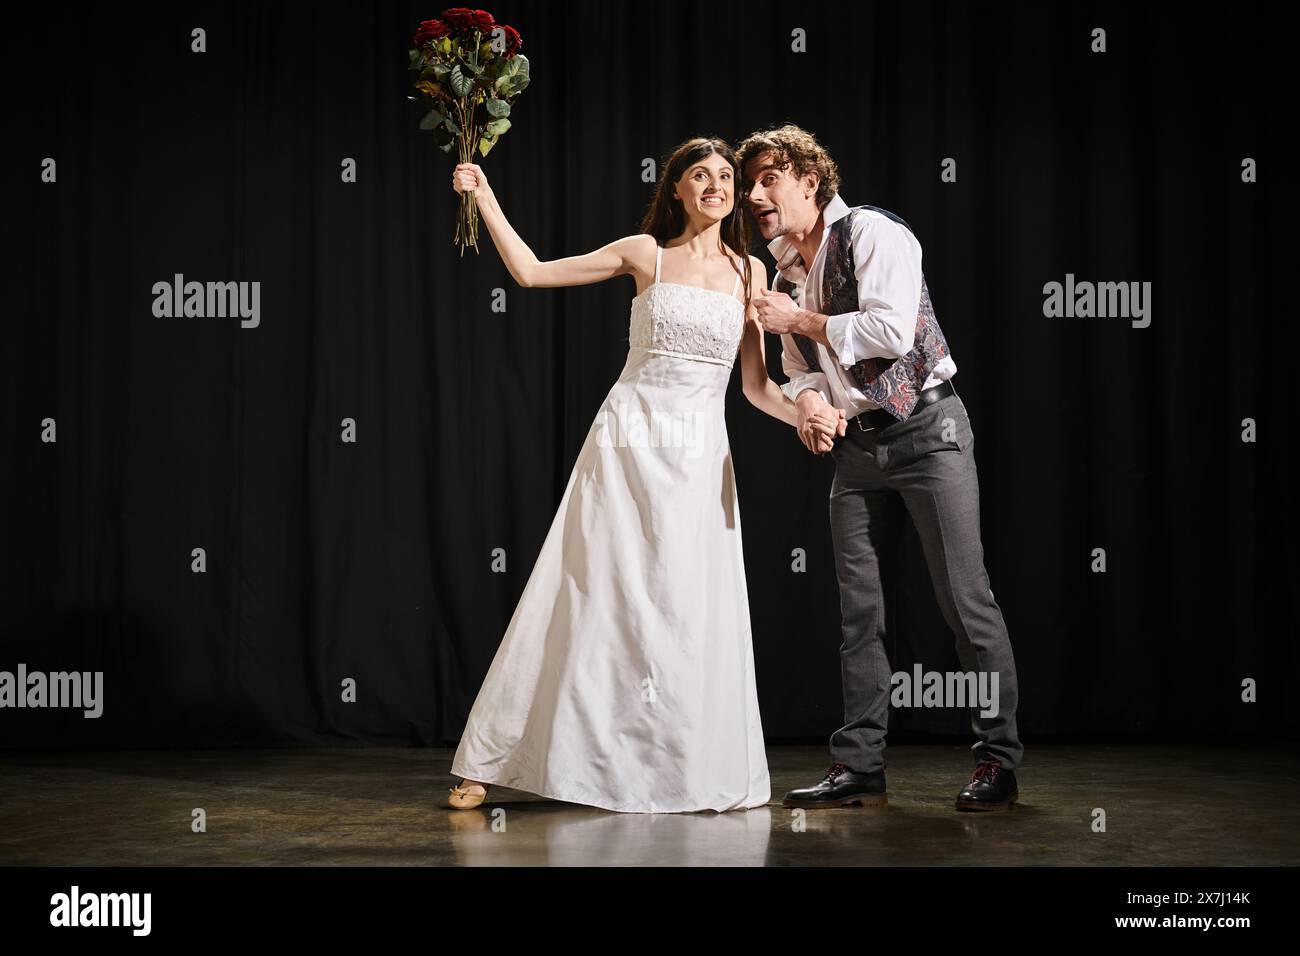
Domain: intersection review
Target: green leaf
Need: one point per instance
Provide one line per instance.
(415, 60)
(496, 107)
(485, 144)
(521, 72)
(460, 83)
(497, 127)
(443, 139)
(513, 86)
(510, 70)
(451, 125)
(433, 120)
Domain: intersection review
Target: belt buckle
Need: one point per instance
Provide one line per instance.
(858, 419)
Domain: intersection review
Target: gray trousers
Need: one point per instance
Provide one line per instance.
(925, 464)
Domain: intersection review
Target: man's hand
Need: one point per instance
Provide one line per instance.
(818, 421)
(777, 312)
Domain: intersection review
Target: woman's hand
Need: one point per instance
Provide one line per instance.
(819, 422)
(469, 177)
(819, 434)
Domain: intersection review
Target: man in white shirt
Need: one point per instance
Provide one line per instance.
(860, 342)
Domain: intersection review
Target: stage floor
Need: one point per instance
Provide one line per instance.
(1164, 806)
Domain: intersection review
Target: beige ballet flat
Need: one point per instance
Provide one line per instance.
(464, 800)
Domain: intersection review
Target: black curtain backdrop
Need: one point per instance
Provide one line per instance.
(372, 560)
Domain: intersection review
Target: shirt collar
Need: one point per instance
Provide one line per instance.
(786, 256)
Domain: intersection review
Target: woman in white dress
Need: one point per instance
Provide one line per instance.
(625, 679)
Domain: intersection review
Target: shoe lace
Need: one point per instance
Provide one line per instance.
(986, 768)
(835, 770)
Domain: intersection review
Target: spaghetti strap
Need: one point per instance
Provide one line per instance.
(736, 288)
(659, 252)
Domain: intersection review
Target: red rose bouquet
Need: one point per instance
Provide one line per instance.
(470, 68)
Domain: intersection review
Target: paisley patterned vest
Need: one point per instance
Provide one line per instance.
(892, 383)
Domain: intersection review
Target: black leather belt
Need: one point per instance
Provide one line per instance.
(880, 418)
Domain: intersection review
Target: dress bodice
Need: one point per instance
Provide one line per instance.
(669, 318)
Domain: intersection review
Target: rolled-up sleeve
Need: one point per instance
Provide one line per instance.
(887, 263)
(801, 376)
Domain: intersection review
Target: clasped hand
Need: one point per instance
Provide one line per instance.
(819, 422)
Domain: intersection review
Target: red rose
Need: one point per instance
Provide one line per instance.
(514, 42)
(430, 30)
(460, 18)
(483, 21)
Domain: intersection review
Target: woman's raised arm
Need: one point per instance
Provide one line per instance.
(614, 259)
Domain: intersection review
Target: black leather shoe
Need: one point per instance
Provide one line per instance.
(991, 787)
(839, 787)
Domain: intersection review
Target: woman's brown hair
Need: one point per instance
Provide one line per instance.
(665, 219)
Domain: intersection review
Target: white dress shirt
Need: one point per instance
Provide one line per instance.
(887, 262)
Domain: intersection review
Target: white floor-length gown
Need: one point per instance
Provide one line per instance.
(625, 679)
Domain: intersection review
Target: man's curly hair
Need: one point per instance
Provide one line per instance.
(796, 148)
